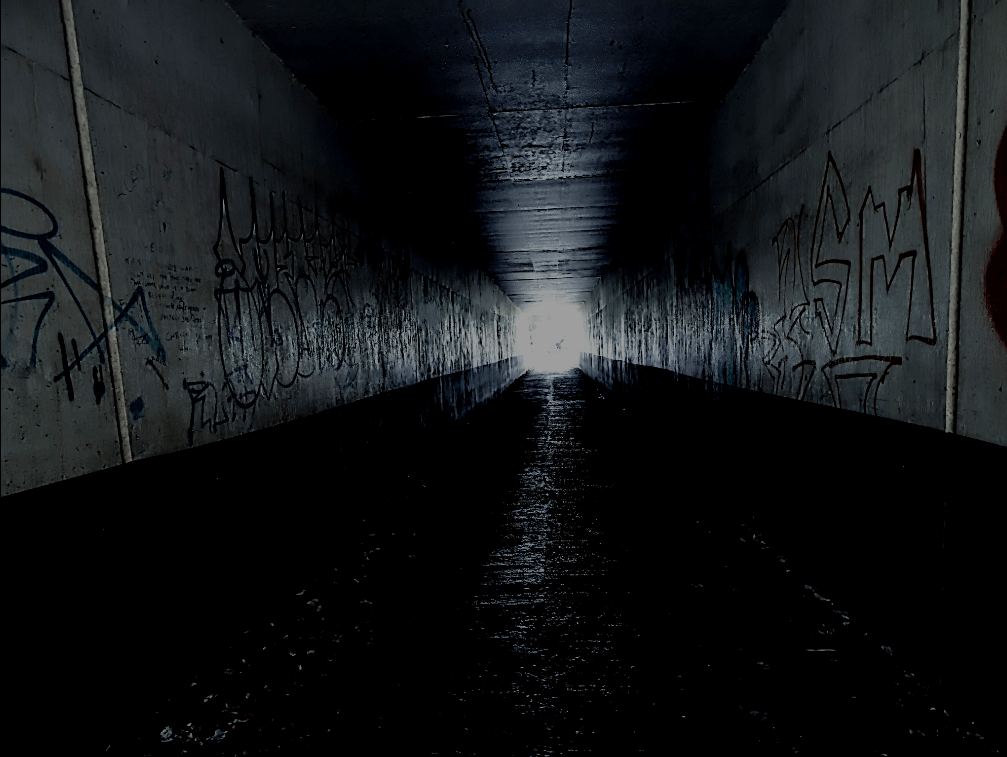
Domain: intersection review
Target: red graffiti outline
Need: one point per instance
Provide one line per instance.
(995, 280)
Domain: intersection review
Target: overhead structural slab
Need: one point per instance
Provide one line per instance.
(522, 137)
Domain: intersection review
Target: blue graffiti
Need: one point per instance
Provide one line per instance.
(52, 257)
(136, 408)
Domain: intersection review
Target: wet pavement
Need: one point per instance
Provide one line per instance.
(543, 578)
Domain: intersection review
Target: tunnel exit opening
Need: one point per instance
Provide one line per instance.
(553, 335)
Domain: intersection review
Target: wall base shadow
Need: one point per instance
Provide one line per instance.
(901, 521)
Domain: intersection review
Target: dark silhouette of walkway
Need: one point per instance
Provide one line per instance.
(560, 572)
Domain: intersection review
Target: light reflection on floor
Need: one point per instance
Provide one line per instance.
(541, 587)
(545, 604)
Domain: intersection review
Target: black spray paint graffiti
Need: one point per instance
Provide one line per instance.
(873, 368)
(273, 324)
(198, 391)
(284, 310)
(832, 219)
(888, 249)
(885, 248)
(28, 268)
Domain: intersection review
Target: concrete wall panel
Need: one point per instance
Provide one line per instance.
(229, 319)
(193, 80)
(821, 63)
(857, 49)
(982, 404)
(331, 321)
(769, 107)
(824, 275)
(35, 31)
(58, 419)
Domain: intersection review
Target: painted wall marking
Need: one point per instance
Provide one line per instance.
(894, 282)
(54, 261)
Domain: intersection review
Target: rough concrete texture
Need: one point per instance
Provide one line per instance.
(982, 406)
(253, 284)
(823, 273)
(51, 308)
(544, 109)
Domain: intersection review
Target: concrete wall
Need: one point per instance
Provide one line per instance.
(982, 399)
(823, 273)
(253, 284)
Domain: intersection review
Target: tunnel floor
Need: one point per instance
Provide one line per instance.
(539, 579)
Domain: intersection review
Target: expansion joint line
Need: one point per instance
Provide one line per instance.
(957, 217)
(97, 232)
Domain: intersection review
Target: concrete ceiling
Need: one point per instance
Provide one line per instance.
(518, 134)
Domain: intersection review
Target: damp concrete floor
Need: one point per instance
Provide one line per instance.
(548, 576)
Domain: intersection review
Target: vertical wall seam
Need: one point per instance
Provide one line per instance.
(957, 218)
(97, 232)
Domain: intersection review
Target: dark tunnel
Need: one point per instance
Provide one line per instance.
(455, 377)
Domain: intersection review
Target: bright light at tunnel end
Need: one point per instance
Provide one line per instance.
(551, 336)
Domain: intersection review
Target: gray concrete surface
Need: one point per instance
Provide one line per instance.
(51, 303)
(982, 404)
(253, 282)
(823, 273)
(276, 252)
(540, 110)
